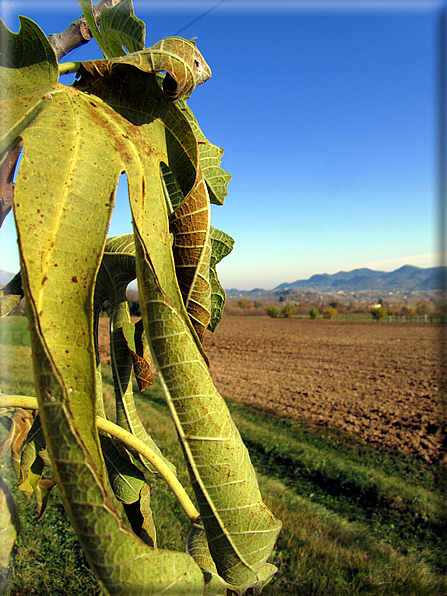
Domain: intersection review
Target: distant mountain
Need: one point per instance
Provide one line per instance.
(5, 276)
(405, 279)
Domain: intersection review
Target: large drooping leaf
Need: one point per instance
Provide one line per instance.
(240, 529)
(119, 28)
(81, 145)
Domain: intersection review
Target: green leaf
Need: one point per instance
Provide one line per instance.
(190, 226)
(172, 191)
(10, 295)
(22, 421)
(43, 492)
(140, 517)
(28, 75)
(119, 28)
(197, 547)
(128, 345)
(9, 524)
(180, 58)
(221, 246)
(87, 11)
(129, 486)
(122, 29)
(35, 465)
(215, 177)
(140, 353)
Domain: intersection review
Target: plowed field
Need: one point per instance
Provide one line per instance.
(379, 381)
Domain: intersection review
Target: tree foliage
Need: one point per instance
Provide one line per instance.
(123, 115)
(273, 311)
(378, 313)
(288, 311)
(314, 312)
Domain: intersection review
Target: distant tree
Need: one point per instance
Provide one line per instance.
(422, 307)
(245, 303)
(329, 313)
(379, 313)
(133, 300)
(314, 313)
(282, 298)
(259, 304)
(272, 311)
(288, 310)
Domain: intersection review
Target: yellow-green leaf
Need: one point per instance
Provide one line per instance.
(119, 28)
(221, 246)
(180, 58)
(10, 295)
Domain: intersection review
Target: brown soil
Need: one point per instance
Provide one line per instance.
(103, 340)
(379, 381)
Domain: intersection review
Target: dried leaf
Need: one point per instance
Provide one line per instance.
(9, 524)
(140, 352)
(22, 423)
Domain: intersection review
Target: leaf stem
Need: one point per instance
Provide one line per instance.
(68, 67)
(129, 440)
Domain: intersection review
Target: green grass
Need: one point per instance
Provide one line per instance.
(356, 519)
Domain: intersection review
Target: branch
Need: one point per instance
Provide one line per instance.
(7, 170)
(78, 33)
(127, 439)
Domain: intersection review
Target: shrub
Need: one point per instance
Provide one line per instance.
(378, 313)
(288, 311)
(314, 313)
(273, 312)
(245, 303)
(329, 313)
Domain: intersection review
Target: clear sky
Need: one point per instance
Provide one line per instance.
(326, 111)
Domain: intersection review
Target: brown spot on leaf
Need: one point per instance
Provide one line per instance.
(74, 280)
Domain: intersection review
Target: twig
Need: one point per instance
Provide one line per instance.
(129, 440)
(7, 170)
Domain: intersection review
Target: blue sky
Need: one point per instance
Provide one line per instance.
(327, 115)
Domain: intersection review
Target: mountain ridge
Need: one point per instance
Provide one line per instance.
(407, 278)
